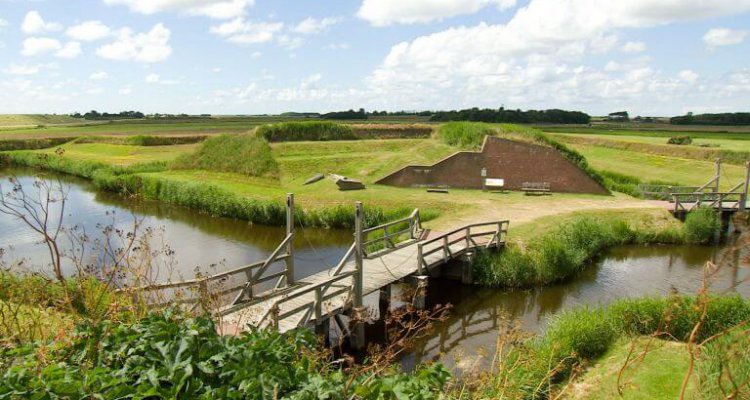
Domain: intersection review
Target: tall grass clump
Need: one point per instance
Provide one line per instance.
(305, 131)
(150, 140)
(466, 135)
(563, 252)
(577, 336)
(702, 225)
(242, 154)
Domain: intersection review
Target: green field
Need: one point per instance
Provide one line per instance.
(11, 120)
(734, 142)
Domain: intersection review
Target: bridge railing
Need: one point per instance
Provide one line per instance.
(468, 237)
(720, 200)
(391, 235)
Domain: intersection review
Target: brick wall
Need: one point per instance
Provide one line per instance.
(515, 162)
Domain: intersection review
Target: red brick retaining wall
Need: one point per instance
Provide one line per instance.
(515, 162)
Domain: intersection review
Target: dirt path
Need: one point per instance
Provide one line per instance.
(522, 212)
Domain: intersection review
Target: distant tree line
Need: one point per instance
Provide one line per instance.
(401, 113)
(95, 115)
(554, 116)
(740, 118)
(351, 114)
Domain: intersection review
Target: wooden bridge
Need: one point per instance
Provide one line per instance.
(265, 294)
(709, 195)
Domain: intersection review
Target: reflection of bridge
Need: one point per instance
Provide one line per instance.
(266, 296)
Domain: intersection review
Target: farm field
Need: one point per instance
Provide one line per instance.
(701, 141)
(9, 120)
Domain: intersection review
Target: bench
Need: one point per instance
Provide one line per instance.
(535, 187)
(493, 184)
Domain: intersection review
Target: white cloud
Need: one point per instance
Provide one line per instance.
(69, 50)
(88, 31)
(688, 76)
(33, 23)
(3, 23)
(240, 31)
(150, 47)
(634, 47)
(125, 91)
(290, 42)
(256, 55)
(15, 69)
(311, 25)
(337, 46)
(220, 9)
(35, 46)
(216, 70)
(724, 37)
(95, 90)
(155, 78)
(152, 78)
(388, 12)
(98, 76)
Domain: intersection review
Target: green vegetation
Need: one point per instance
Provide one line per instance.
(702, 225)
(172, 357)
(243, 154)
(657, 374)
(34, 119)
(723, 361)
(466, 135)
(680, 140)
(562, 252)
(31, 144)
(580, 336)
(513, 116)
(740, 118)
(305, 131)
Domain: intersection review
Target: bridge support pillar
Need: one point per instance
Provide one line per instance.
(467, 268)
(420, 291)
(323, 328)
(385, 298)
(357, 329)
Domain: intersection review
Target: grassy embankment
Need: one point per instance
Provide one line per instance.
(542, 366)
(150, 171)
(544, 252)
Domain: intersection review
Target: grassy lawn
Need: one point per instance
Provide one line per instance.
(654, 167)
(657, 375)
(739, 143)
(117, 154)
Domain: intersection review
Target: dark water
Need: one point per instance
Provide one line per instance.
(198, 240)
(469, 336)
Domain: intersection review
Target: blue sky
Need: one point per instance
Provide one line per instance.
(650, 57)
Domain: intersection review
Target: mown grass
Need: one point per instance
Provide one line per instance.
(243, 154)
(579, 336)
(563, 251)
(305, 131)
(652, 167)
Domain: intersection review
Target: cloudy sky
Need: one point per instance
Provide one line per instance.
(652, 57)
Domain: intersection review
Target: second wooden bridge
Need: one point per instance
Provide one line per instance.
(262, 295)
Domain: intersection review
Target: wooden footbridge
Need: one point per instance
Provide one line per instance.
(709, 195)
(265, 294)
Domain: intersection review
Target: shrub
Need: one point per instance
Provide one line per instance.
(305, 131)
(701, 225)
(680, 140)
(149, 140)
(172, 357)
(242, 154)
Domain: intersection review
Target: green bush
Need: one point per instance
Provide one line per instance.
(32, 144)
(170, 357)
(305, 131)
(680, 140)
(702, 225)
(149, 140)
(466, 135)
(242, 154)
(563, 252)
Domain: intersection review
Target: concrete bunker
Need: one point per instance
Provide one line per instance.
(515, 162)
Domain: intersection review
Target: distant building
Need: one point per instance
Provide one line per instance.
(618, 116)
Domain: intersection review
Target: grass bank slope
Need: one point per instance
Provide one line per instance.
(35, 119)
(243, 154)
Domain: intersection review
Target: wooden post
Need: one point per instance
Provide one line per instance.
(743, 198)
(420, 263)
(718, 175)
(359, 276)
(290, 244)
(420, 294)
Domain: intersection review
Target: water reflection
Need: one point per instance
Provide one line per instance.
(469, 336)
(198, 240)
